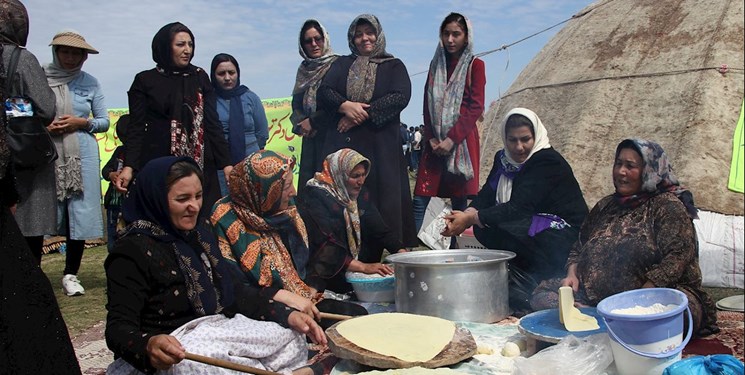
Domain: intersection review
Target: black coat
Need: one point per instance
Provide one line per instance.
(378, 139)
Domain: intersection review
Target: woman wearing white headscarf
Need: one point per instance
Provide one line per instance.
(366, 92)
(77, 168)
(531, 204)
(314, 45)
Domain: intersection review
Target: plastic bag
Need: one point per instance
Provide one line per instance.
(717, 364)
(578, 356)
(434, 224)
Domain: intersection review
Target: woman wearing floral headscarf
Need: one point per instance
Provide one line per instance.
(172, 112)
(341, 218)
(77, 168)
(366, 91)
(454, 101)
(531, 204)
(314, 45)
(641, 236)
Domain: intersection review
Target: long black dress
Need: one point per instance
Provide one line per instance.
(377, 139)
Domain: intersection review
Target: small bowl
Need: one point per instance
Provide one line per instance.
(373, 288)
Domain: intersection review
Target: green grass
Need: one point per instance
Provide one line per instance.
(80, 312)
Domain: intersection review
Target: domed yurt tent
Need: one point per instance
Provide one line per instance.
(636, 68)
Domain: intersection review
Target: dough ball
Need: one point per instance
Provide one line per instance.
(510, 350)
(522, 344)
(484, 349)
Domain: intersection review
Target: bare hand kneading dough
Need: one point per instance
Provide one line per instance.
(408, 337)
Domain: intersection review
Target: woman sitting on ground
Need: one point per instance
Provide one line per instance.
(531, 204)
(258, 225)
(642, 236)
(340, 216)
(170, 291)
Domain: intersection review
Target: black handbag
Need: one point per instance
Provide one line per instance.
(29, 141)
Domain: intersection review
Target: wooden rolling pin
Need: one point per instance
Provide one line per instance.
(335, 316)
(228, 365)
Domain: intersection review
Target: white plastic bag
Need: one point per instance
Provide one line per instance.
(589, 355)
(434, 223)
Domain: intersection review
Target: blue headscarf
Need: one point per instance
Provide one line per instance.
(236, 121)
(145, 210)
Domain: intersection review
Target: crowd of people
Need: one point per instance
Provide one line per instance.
(208, 235)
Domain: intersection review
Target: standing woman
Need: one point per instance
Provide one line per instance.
(240, 112)
(367, 91)
(30, 318)
(172, 109)
(453, 102)
(314, 46)
(78, 95)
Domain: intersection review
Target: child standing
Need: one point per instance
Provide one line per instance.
(113, 198)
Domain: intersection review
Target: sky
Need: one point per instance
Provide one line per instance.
(263, 36)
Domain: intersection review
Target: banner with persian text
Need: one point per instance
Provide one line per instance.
(281, 138)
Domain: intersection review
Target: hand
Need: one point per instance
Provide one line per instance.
(357, 112)
(227, 171)
(379, 268)
(305, 128)
(67, 124)
(571, 279)
(457, 222)
(113, 176)
(443, 148)
(303, 323)
(125, 177)
(345, 123)
(433, 142)
(164, 351)
(299, 303)
(403, 250)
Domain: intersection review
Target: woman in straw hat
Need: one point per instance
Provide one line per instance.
(77, 167)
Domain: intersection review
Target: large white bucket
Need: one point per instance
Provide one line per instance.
(646, 344)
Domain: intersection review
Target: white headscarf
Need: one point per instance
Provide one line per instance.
(504, 187)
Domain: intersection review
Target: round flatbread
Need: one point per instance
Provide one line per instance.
(408, 337)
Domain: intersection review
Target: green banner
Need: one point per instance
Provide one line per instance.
(281, 138)
(736, 175)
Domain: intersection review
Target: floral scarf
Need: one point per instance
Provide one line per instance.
(249, 224)
(187, 98)
(657, 177)
(310, 73)
(501, 178)
(145, 210)
(444, 98)
(362, 73)
(336, 169)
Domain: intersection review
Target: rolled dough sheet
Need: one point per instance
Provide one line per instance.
(408, 337)
(413, 371)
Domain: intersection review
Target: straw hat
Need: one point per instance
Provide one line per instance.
(72, 39)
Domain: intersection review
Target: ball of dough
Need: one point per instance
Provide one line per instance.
(510, 349)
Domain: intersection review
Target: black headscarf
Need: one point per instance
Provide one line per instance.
(13, 23)
(162, 47)
(145, 210)
(236, 120)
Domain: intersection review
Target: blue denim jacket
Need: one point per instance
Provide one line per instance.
(256, 126)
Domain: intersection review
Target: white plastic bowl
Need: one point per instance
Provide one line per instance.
(373, 288)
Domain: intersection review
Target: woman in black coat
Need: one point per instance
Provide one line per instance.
(367, 91)
(531, 204)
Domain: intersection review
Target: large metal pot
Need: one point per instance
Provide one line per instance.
(468, 285)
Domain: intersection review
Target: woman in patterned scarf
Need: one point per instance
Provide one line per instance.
(366, 92)
(531, 204)
(641, 236)
(170, 291)
(259, 229)
(339, 214)
(454, 101)
(172, 112)
(314, 45)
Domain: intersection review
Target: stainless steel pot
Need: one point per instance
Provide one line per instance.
(468, 285)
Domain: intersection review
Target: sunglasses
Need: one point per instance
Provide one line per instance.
(317, 39)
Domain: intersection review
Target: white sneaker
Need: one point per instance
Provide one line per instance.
(71, 286)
